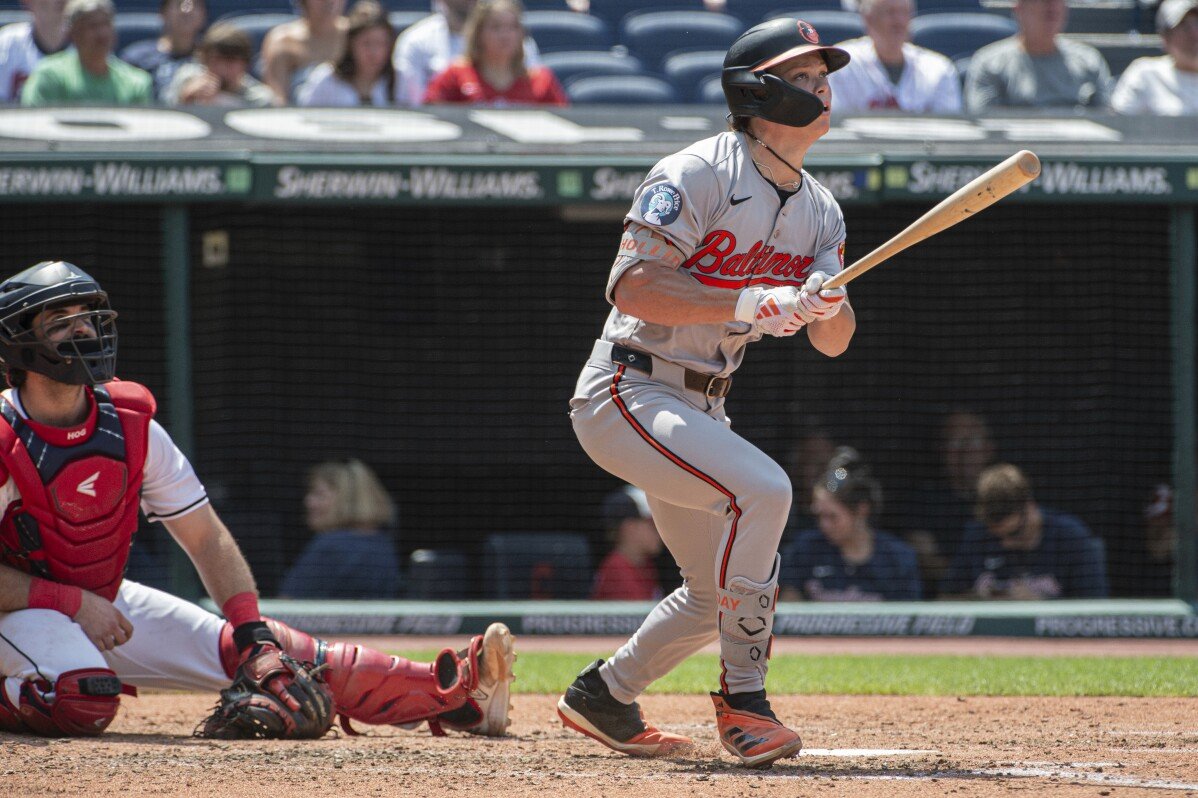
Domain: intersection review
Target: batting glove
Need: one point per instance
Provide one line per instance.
(772, 311)
(817, 303)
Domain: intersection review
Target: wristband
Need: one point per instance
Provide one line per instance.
(47, 595)
(746, 305)
(253, 633)
(242, 609)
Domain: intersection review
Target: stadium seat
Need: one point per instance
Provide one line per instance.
(711, 92)
(687, 71)
(959, 35)
(546, 5)
(402, 20)
(226, 8)
(1102, 18)
(775, 9)
(570, 64)
(833, 26)
(435, 574)
(613, 12)
(1119, 51)
(256, 26)
(653, 35)
(941, 6)
(621, 90)
(134, 26)
(555, 31)
(537, 566)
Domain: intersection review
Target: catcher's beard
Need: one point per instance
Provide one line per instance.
(369, 686)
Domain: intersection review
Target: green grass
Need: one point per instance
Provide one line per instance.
(544, 672)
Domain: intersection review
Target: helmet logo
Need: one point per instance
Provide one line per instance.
(808, 32)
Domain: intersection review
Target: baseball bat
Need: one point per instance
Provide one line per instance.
(980, 193)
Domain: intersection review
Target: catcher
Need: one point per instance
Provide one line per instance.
(79, 452)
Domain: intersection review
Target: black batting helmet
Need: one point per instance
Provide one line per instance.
(751, 91)
(73, 360)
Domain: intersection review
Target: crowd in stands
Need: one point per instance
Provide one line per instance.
(957, 57)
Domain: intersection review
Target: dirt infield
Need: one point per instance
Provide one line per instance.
(857, 746)
(854, 745)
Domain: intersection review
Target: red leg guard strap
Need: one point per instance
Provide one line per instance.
(370, 686)
(81, 703)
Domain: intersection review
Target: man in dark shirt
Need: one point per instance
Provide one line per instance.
(1020, 550)
(817, 570)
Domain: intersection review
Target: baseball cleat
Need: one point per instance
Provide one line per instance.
(486, 712)
(588, 707)
(751, 732)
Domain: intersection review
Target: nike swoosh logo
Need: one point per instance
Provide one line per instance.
(739, 200)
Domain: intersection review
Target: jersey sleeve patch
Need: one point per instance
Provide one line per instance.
(661, 205)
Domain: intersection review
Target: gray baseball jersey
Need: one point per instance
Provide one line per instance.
(734, 232)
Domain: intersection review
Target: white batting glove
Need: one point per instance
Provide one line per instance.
(773, 311)
(817, 303)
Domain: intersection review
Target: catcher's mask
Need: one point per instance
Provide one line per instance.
(87, 356)
(752, 91)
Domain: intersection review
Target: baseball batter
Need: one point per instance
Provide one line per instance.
(727, 241)
(79, 452)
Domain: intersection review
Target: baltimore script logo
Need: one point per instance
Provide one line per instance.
(717, 263)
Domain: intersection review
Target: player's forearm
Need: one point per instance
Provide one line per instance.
(832, 337)
(214, 552)
(14, 589)
(660, 295)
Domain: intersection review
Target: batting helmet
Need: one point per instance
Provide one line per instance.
(72, 360)
(751, 91)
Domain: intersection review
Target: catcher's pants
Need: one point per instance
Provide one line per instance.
(678, 446)
(175, 644)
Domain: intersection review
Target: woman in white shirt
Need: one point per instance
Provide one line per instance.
(364, 74)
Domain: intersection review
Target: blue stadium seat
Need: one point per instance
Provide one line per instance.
(959, 35)
(614, 11)
(653, 35)
(437, 574)
(402, 20)
(776, 8)
(134, 26)
(570, 64)
(546, 5)
(621, 90)
(687, 71)
(833, 26)
(940, 6)
(554, 31)
(1119, 51)
(711, 92)
(1095, 18)
(256, 26)
(537, 566)
(224, 8)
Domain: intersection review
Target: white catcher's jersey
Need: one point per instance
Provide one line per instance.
(710, 201)
(19, 54)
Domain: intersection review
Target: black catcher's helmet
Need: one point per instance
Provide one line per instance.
(751, 91)
(75, 361)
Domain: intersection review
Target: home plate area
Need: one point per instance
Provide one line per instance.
(856, 746)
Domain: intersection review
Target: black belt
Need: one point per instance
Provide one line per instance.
(706, 384)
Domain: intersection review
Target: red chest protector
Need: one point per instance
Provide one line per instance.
(79, 491)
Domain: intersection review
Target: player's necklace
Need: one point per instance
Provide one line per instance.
(793, 185)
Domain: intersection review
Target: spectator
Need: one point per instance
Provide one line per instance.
(493, 70)
(427, 48)
(846, 559)
(220, 75)
(352, 555)
(88, 72)
(1017, 549)
(888, 72)
(23, 44)
(807, 462)
(1165, 85)
(290, 50)
(182, 21)
(628, 573)
(1160, 544)
(1037, 68)
(363, 75)
(936, 513)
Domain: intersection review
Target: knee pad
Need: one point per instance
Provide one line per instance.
(747, 619)
(81, 703)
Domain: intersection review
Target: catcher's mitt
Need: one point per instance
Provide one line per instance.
(272, 697)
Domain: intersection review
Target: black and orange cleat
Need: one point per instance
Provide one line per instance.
(751, 732)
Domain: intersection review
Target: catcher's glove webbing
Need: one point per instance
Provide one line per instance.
(273, 697)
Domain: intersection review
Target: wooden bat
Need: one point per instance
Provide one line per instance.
(980, 193)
